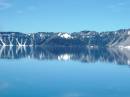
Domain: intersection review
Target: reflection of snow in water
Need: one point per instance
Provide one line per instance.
(128, 62)
(64, 57)
(84, 55)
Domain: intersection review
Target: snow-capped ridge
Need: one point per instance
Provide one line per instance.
(65, 35)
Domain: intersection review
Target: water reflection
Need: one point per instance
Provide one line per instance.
(115, 55)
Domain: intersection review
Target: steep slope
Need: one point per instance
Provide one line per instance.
(119, 38)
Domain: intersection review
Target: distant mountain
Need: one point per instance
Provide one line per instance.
(119, 38)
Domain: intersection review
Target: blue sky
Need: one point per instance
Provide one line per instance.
(64, 15)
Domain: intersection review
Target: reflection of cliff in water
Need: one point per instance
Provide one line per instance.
(119, 56)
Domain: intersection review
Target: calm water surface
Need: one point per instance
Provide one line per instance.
(64, 74)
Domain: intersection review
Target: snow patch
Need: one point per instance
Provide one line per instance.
(88, 36)
(128, 47)
(124, 47)
(128, 32)
(65, 35)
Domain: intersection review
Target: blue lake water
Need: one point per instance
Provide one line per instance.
(60, 72)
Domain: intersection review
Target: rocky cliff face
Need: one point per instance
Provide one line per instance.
(119, 38)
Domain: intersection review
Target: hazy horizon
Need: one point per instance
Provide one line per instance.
(64, 31)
